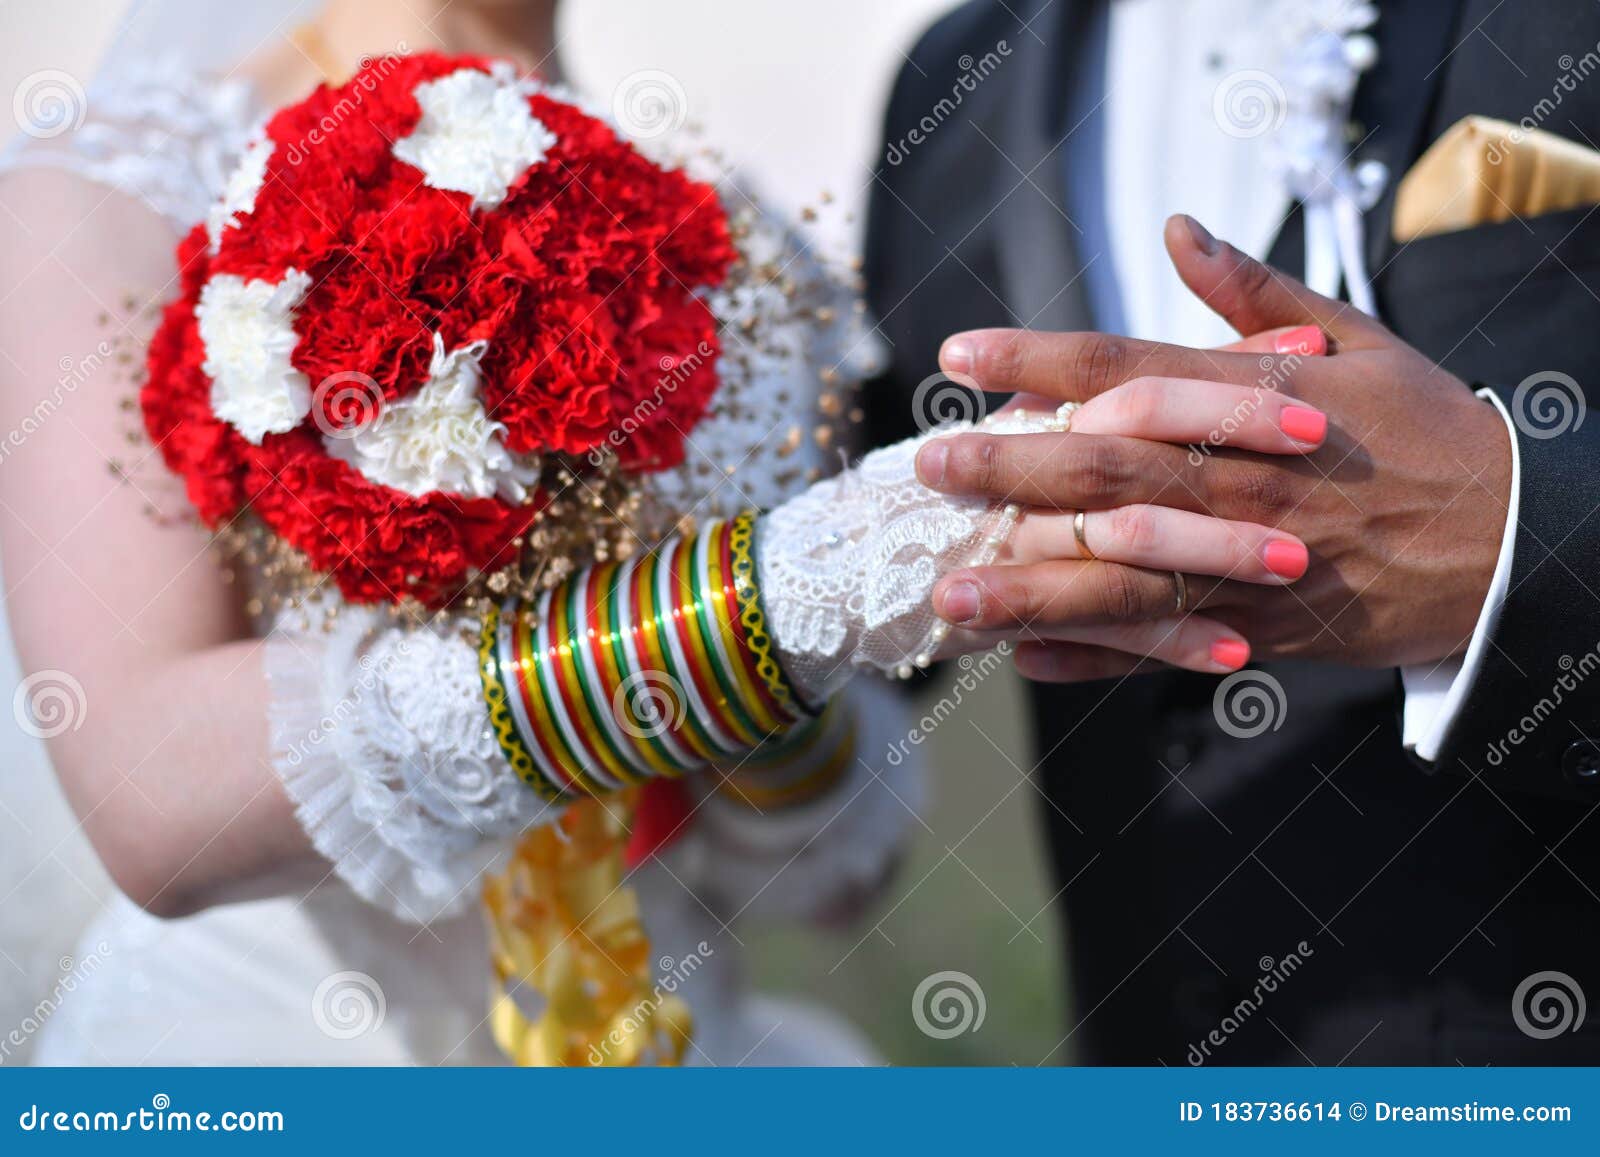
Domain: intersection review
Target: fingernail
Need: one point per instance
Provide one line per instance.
(1307, 341)
(931, 460)
(1230, 654)
(1201, 236)
(960, 602)
(1303, 424)
(956, 355)
(1286, 558)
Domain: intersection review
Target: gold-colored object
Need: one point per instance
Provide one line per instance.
(1180, 586)
(1483, 170)
(1077, 533)
(574, 973)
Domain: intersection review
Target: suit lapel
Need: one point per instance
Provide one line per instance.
(1033, 238)
(1396, 98)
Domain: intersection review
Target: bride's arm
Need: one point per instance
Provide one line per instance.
(206, 765)
(165, 756)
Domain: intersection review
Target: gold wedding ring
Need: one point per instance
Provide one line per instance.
(1077, 533)
(1181, 590)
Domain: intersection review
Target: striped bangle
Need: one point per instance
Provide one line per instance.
(802, 765)
(654, 667)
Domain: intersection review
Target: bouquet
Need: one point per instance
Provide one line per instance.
(428, 298)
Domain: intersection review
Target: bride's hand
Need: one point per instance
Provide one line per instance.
(1044, 574)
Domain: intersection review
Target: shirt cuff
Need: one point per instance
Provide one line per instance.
(1435, 693)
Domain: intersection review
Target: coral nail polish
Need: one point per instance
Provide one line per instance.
(1286, 559)
(1307, 341)
(1230, 653)
(1303, 424)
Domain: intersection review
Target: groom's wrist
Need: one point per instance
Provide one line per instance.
(1525, 718)
(1434, 693)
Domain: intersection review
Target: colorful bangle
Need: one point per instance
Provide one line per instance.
(654, 667)
(808, 761)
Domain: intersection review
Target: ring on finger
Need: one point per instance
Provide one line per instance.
(1078, 533)
(1180, 590)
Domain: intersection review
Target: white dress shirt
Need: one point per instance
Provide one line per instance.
(1164, 151)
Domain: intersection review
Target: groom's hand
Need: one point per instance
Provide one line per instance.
(1402, 506)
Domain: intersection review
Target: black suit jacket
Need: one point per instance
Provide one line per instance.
(1423, 897)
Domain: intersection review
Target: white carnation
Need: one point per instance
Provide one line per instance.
(239, 194)
(247, 328)
(439, 438)
(476, 134)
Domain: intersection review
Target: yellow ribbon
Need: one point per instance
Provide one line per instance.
(574, 982)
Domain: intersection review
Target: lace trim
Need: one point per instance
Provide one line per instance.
(158, 132)
(848, 567)
(379, 736)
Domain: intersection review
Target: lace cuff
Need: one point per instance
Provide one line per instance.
(847, 567)
(381, 740)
